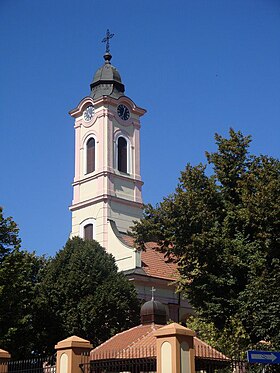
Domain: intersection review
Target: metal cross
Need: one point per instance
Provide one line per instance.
(153, 290)
(106, 40)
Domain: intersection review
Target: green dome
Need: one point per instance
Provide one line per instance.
(107, 81)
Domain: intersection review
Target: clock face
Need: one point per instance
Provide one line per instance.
(88, 113)
(123, 112)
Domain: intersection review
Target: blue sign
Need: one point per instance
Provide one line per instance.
(264, 357)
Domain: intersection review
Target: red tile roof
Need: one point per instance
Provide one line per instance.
(128, 240)
(124, 344)
(140, 342)
(154, 263)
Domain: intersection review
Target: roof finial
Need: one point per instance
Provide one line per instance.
(106, 40)
(153, 290)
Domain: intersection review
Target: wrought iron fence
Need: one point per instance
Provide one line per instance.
(120, 365)
(233, 366)
(138, 360)
(34, 365)
(149, 364)
(207, 365)
(220, 366)
(131, 360)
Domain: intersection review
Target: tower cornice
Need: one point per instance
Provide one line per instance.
(105, 198)
(129, 177)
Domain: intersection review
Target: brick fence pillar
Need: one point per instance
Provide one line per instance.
(175, 349)
(4, 358)
(70, 353)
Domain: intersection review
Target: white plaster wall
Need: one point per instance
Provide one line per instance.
(95, 211)
(124, 215)
(124, 188)
(125, 256)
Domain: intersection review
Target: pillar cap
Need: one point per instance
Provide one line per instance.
(4, 354)
(73, 341)
(173, 330)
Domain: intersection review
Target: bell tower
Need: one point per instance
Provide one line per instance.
(107, 183)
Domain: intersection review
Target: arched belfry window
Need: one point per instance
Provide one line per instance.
(122, 154)
(88, 232)
(90, 155)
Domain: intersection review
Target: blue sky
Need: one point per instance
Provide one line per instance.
(197, 66)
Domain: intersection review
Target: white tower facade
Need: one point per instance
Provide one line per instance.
(107, 185)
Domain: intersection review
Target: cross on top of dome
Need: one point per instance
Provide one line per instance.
(107, 80)
(107, 40)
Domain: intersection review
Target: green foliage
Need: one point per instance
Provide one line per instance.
(230, 340)
(8, 235)
(19, 271)
(82, 293)
(260, 305)
(43, 301)
(223, 231)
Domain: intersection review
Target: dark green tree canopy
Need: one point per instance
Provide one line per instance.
(19, 276)
(223, 231)
(43, 301)
(9, 239)
(82, 293)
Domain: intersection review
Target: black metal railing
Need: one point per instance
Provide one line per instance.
(233, 366)
(130, 360)
(207, 360)
(221, 366)
(120, 365)
(33, 365)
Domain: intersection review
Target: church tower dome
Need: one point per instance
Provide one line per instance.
(107, 81)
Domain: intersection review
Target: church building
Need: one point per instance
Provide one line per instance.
(107, 186)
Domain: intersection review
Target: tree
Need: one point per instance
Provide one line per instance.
(18, 282)
(231, 340)
(82, 293)
(223, 231)
(43, 301)
(19, 272)
(9, 239)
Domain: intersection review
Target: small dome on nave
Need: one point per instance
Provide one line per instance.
(153, 312)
